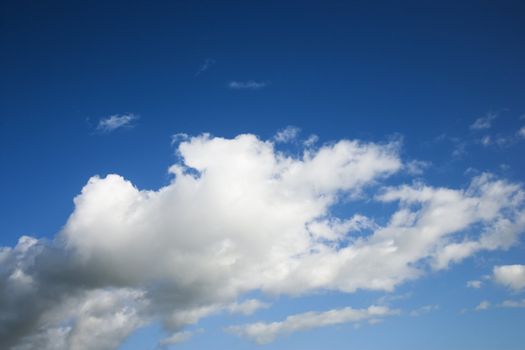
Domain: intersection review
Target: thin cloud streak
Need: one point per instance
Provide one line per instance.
(117, 121)
(208, 63)
(247, 85)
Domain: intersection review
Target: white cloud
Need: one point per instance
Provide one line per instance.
(240, 217)
(177, 338)
(247, 307)
(484, 305)
(263, 333)
(247, 85)
(474, 284)
(417, 167)
(441, 213)
(513, 303)
(511, 276)
(116, 121)
(311, 140)
(484, 122)
(287, 134)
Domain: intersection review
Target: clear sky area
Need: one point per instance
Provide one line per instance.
(262, 175)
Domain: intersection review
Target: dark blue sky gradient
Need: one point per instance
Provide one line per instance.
(336, 69)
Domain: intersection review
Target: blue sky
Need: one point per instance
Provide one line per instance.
(397, 113)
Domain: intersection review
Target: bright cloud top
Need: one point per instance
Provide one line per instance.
(240, 216)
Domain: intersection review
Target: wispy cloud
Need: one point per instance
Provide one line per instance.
(247, 307)
(311, 140)
(424, 310)
(521, 132)
(513, 303)
(247, 85)
(476, 284)
(287, 134)
(178, 337)
(263, 333)
(116, 121)
(509, 303)
(208, 63)
(484, 122)
(484, 305)
(417, 167)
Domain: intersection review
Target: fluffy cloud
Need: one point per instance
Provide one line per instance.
(263, 333)
(239, 216)
(511, 276)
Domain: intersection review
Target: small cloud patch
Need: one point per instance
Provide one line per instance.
(117, 121)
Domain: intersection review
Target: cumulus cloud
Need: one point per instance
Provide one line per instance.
(247, 85)
(263, 333)
(511, 276)
(239, 216)
(116, 121)
(521, 132)
(484, 122)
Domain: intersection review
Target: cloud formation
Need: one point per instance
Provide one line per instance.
(287, 134)
(484, 305)
(484, 122)
(476, 284)
(116, 121)
(511, 276)
(263, 333)
(513, 303)
(240, 216)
